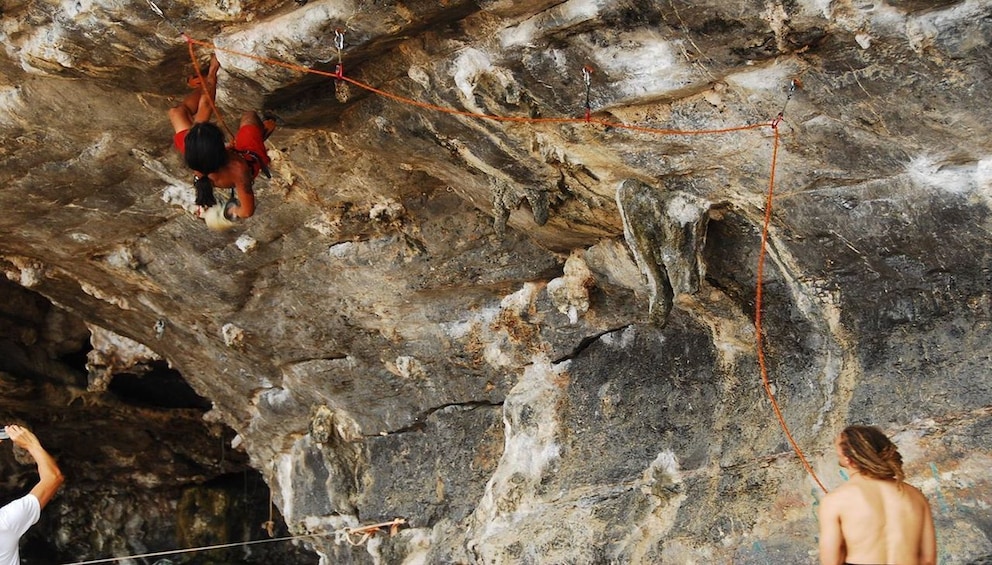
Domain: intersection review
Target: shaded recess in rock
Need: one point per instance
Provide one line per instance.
(160, 387)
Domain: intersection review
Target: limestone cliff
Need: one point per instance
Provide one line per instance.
(508, 295)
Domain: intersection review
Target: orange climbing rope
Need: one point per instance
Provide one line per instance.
(339, 75)
(452, 111)
(757, 312)
(206, 90)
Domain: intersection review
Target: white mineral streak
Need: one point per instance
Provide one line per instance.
(177, 191)
(27, 272)
(283, 470)
(685, 209)
(839, 359)
(500, 351)
(469, 65)
(407, 367)
(563, 15)
(763, 79)
(946, 174)
(623, 338)
(121, 258)
(646, 64)
(418, 544)
(419, 76)
(41, 50)
(660, 485)
(983, 184)
(530, 445)
(246, 243)
(386, 211)
(276, 397)
(275, 38)
(11, 105)
(125, 351)
(232, 334)
(640, 259)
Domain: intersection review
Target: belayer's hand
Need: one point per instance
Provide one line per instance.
(22, 437)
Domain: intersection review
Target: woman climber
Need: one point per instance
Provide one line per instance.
(215, 164)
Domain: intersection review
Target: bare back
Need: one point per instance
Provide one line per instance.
(881, 523)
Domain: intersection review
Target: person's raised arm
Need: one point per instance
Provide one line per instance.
(50, 477)
(831, 537)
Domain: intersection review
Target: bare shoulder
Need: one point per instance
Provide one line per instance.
(842, 492)
(915, 494)
(835, 499)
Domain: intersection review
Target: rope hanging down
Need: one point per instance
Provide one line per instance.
(757, 313)
(773, 124)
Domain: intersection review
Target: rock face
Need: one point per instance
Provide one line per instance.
(517, 313)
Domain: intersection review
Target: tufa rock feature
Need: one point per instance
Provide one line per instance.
(112, 354)
(570, 292)
(665, 232)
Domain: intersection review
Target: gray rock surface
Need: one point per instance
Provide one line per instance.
(530, 335)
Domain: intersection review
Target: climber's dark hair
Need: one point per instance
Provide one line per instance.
(206, 153)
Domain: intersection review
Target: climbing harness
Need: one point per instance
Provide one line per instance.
(255, 162)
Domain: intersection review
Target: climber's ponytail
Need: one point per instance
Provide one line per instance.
(204, 191)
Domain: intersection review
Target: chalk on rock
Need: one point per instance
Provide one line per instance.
(246, 243)
(233, 335)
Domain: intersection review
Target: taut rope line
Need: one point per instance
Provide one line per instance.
(364, 531)
(193, 549)
(452, 111)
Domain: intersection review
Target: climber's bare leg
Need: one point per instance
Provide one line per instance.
(250, 118)
(196, 107)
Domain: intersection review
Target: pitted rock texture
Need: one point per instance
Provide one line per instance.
(530, 338)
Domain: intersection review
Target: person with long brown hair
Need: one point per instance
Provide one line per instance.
(876, 517)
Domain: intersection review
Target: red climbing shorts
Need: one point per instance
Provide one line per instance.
(248, 138)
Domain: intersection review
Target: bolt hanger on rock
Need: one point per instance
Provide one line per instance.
(587, 78)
